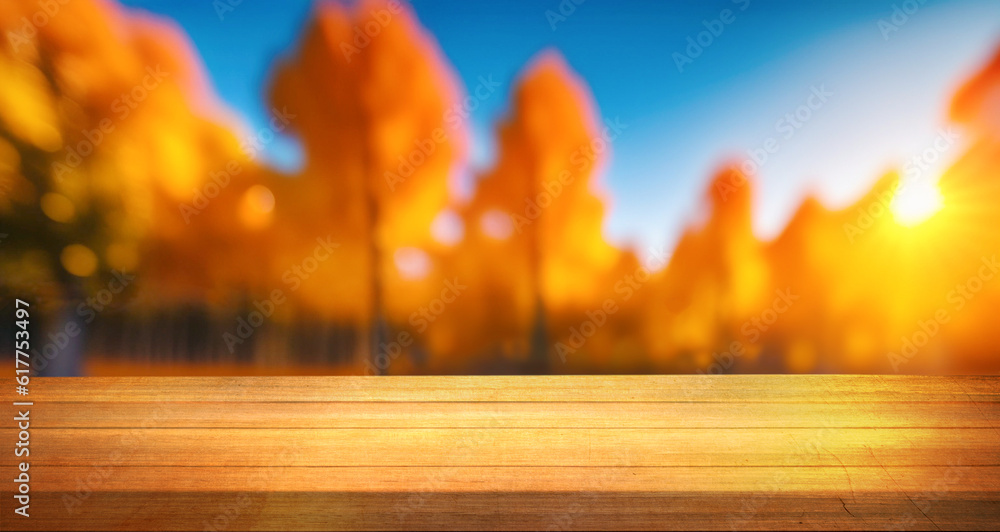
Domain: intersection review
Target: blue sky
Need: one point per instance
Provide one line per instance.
(887, 92)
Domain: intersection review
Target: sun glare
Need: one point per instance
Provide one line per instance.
(916, 202)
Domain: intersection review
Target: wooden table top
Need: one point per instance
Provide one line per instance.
(552, 453)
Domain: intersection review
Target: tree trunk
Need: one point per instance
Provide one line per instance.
(68, 348)
(379, 333)
(538, 355)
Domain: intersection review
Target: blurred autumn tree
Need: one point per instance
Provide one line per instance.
(715, 279)
(96, 125)
(370, 92)
(115, 157)
(535, 223)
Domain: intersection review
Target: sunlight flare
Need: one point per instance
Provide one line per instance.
(914, 203)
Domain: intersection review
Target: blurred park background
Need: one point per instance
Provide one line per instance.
(380, 187)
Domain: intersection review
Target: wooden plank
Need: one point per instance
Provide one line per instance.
(916, 482)
(554, 453)
(187, 414)
(137, 510)
(513, 447)
(566, 388)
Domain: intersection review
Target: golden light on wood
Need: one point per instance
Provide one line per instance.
(570, 452)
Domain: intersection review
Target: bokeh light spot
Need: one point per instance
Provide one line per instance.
(78, 260)
(58, 207)
(256, 207)
(447, 228)
(412, 263)
(496, 224)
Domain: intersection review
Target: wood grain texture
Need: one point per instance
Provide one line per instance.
(551, 453)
